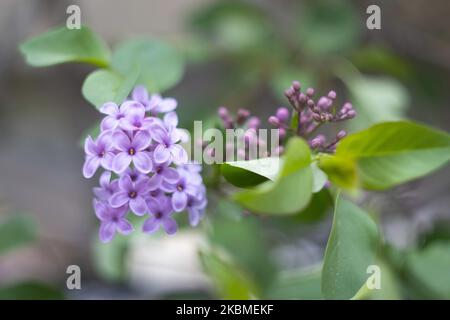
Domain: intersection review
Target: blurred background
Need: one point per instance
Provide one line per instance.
(238, 54)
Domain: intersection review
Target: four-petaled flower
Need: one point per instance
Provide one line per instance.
(111, 220)
(98, 153)
(132, 149)
(167, 148)
(161, 214)
(131, 193)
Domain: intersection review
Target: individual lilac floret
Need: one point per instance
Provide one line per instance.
(135, 118)
(107, 187)
(112, 220)
(160, 215)
(196, 206)
(99, 152)
(163, 172)
(114, 115)
(180, 192)
(167, 148)
(132, 194)
(132, 149)
(154, 104)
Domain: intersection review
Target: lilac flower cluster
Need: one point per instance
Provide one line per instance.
(311, 115)
(147, 170)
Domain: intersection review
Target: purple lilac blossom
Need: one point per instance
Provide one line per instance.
(146, 169)
(111, 220)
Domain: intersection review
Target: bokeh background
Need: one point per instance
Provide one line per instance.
(238, 54)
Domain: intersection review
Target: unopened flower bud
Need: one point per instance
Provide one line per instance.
(296, 85)
(282, 133)
(274, 121)
(242, 115)
(351, 114)
(341, 134)
(324, 103)
(310, 92)
(332, 95)
(253, 123)
(223, 113)
(282, 114)
(317, 141)
(289, 92)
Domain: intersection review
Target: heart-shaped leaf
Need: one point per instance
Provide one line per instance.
(65, 45)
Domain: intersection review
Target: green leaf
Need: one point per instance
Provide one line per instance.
(291, 191)
(30, 290)
(16, 231)
(249, 173)
(297, 284)
(230, 282)
(350, 250)
(429, 269)
(317, 209)
(104, 85)
(392, 153)
(376, 100)
(319, 178)
(327, 27)
(160, 65)
(64, 45)
(340, 171)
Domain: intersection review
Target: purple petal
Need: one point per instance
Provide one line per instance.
(183, 135)
(168, 187)
(121, 162)
(179, 201)
(158, 133)
(100, 210)
(171, 175)
(90, 166)
(153, 205)
(124, 227)
(194, 217)
(126, 184)
(102, 193)
(141, 140)
(191, 190)
(121, 141)
(161, 154)
(138, 206)
(140, 94)
(132, 107)
(119, 199)
(150, 225)
(128, 123)
(170, 225)
(143, 162)
(166, 105)
(155, 182)
(107, 160)
(109, 123)
(105, 178)
(171, 119)
(107, 231)
(179, 154)
(109, 108)
(89, 146)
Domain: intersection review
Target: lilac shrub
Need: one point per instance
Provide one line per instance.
(147, 172)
